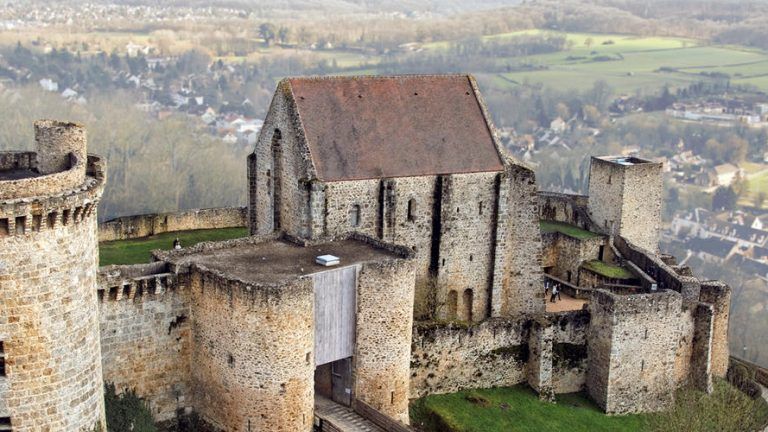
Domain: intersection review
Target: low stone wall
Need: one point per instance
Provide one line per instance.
(128, 227)
(449, 357)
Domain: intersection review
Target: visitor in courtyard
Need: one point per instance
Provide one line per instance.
(177, 244)
(555, 293)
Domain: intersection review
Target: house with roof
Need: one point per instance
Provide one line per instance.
(720, 175)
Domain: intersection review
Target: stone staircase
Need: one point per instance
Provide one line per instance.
(337, 418)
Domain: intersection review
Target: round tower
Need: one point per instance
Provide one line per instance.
(50, 354)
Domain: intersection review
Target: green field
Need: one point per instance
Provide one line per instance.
(518, 409)
(515, 409)
(645, 63)
(137, 251)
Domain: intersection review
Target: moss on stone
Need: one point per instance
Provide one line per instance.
(608, 270)
(567, 229)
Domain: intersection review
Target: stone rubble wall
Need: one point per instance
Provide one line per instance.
(128, 227)
(49, 322)
(632, 346)
(252, 353)
(146, 338)
(383, 336)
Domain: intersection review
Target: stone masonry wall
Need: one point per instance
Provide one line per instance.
(718, 295)
(295, 169)
(565, 254)
(49, 318)
(146, 339)
(128, 227)
(641, 213)
(521, 273)
(446, 358)
(606, 192)
(383, 336)
(252, 353)
(632, 343)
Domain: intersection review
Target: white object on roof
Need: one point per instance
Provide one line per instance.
(327, 260)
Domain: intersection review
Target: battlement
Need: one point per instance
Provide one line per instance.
(630, 303)
(38, 203)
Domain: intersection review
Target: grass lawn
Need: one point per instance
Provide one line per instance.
(518, 409)
(515, 409)
(567, 229)
(137, 251)
(608, 270)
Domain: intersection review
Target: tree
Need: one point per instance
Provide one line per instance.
(267, 31)
(283, 34)
(724, 198)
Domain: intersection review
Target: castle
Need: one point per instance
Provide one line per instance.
(445, 247)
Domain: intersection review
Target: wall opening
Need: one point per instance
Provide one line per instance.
(4, 227)
(21, 224)
(468, 299)
(601, 253)
(434, 252)
(5, 423)
(453, 304)
(277, 166)
(37, 222)
(354, 215)
(2, 360)
(411, 210)
(51, 220)
(65, 216)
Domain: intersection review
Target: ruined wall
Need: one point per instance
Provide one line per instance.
(570, 209)
(146, 336)
(569, 350)
(565, 254)
(606, 194)
(128, 227)
(257, 374)
(718, 294)
(383, 336)
(632, 343)
(446, 358)
(49, 319)
(290, 181)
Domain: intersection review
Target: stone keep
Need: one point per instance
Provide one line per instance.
(49, 330)
(625, 196)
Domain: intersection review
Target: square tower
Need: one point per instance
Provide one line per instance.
(625, 195)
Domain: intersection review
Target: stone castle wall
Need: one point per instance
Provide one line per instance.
(128, 227)
(632, 346)
(252, 353)
(49, 321)
(146, 340)
(564, 254)
(499, 352)
(283, 172)
(383, 336)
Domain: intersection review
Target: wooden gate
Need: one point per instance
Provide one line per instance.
(334, 314)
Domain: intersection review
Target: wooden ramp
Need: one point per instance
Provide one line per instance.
(333, 417)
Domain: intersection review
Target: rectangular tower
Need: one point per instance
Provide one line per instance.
(625, 195)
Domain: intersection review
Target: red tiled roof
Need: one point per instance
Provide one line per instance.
(373, 127)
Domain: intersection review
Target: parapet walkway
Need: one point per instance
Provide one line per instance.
(335, 417)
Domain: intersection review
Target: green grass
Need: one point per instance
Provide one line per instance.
(137, 251)
(567, 229)
(515, 409)
(518, 409)
(608, 270)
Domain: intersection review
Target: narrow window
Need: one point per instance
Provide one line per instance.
(5, 423)
(78, 214)
(51, 220)
(4, 227)
(2, 361)
(609, 178)
(354, 215)
(468, 299)
(65, 217)
(21, 224)
(480, 207)
(37, 221)
(411, 210)
(642, 365)
(470, 257)
(453, 304)
(269, 181)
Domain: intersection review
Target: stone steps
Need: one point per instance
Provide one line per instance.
(342, 418)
